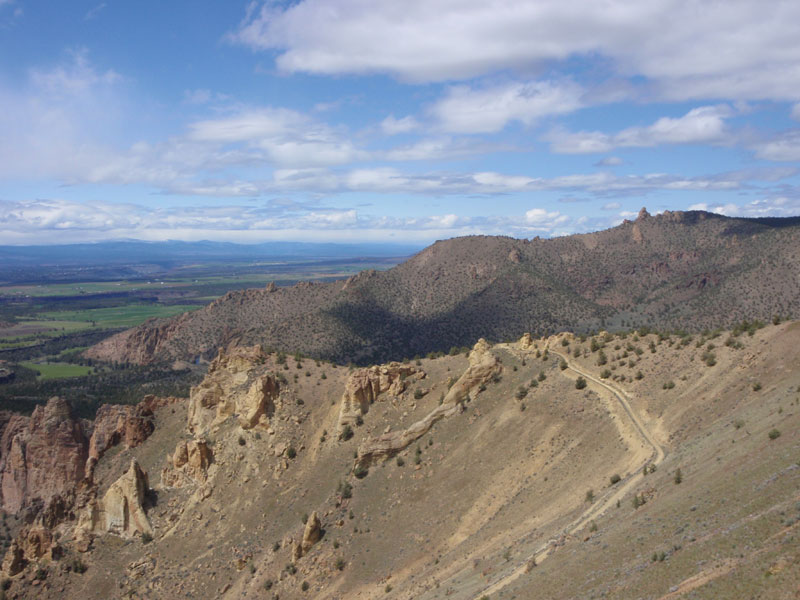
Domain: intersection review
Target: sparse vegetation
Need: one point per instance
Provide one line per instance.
(774, 434)
(580, 383)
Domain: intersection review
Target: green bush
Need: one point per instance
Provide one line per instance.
(774, 434)
(580, 383)
(615, 478)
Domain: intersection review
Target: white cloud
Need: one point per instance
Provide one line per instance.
(611, 206)
(737, 49)
(392, 126)
(490, 109)
(705, 124)
(540, 216)
(784, 147)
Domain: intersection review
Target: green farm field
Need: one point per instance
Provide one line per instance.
(120, 316)
(56, 370)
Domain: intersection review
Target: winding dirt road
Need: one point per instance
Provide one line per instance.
(605, 501)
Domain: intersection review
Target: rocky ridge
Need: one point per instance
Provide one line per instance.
(677, 270)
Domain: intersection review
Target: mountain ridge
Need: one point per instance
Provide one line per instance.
(675, 270)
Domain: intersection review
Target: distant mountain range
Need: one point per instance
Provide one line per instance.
(678, 270)
(171, 252)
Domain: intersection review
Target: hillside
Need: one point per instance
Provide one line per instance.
(672, 473)
(678, 271)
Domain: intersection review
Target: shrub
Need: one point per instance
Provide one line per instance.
(276, 546)
(522, 391)
(580, 383)
(615, 478)
(146, 538)
(678, 476)
(360, 471)
(291, 452)
(542, 376)
(304, 518)
(304, 586)
(347, 433)
(268, 584)
(756, 386)
(388, 588)
(78, 566)
(668, 385)
(400, 461)
(593, 527)
(605, 374)
(241, 441)
(562, 365)
(774, 434)
(346, 490)
(639, 375)
(589, 495)
(340, 564)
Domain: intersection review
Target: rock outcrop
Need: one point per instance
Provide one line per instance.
(121, 511)
(483, 366)
(312, 533)
(189, 464)
(117, 423)
(43, 456)
(365, 385)
(232, 387)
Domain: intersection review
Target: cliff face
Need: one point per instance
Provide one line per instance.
(43, 456)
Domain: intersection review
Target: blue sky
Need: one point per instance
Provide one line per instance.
(378, 120)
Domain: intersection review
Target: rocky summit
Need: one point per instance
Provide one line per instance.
(636, 464)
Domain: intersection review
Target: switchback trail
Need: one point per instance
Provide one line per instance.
(611, 496)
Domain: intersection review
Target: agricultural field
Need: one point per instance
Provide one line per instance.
(56, 370)
(50, 314)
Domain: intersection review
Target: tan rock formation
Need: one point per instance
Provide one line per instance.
(189, 464)
(483, 366)
(117, 423)
(124, 503)
(525, 342)
(312, 533)
(14, 561)
(230, 388)
(121, 511)
(46, 455)
(364, 386)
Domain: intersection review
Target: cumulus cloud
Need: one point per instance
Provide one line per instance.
(702, 125)
(489, 109)
(687, 50)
